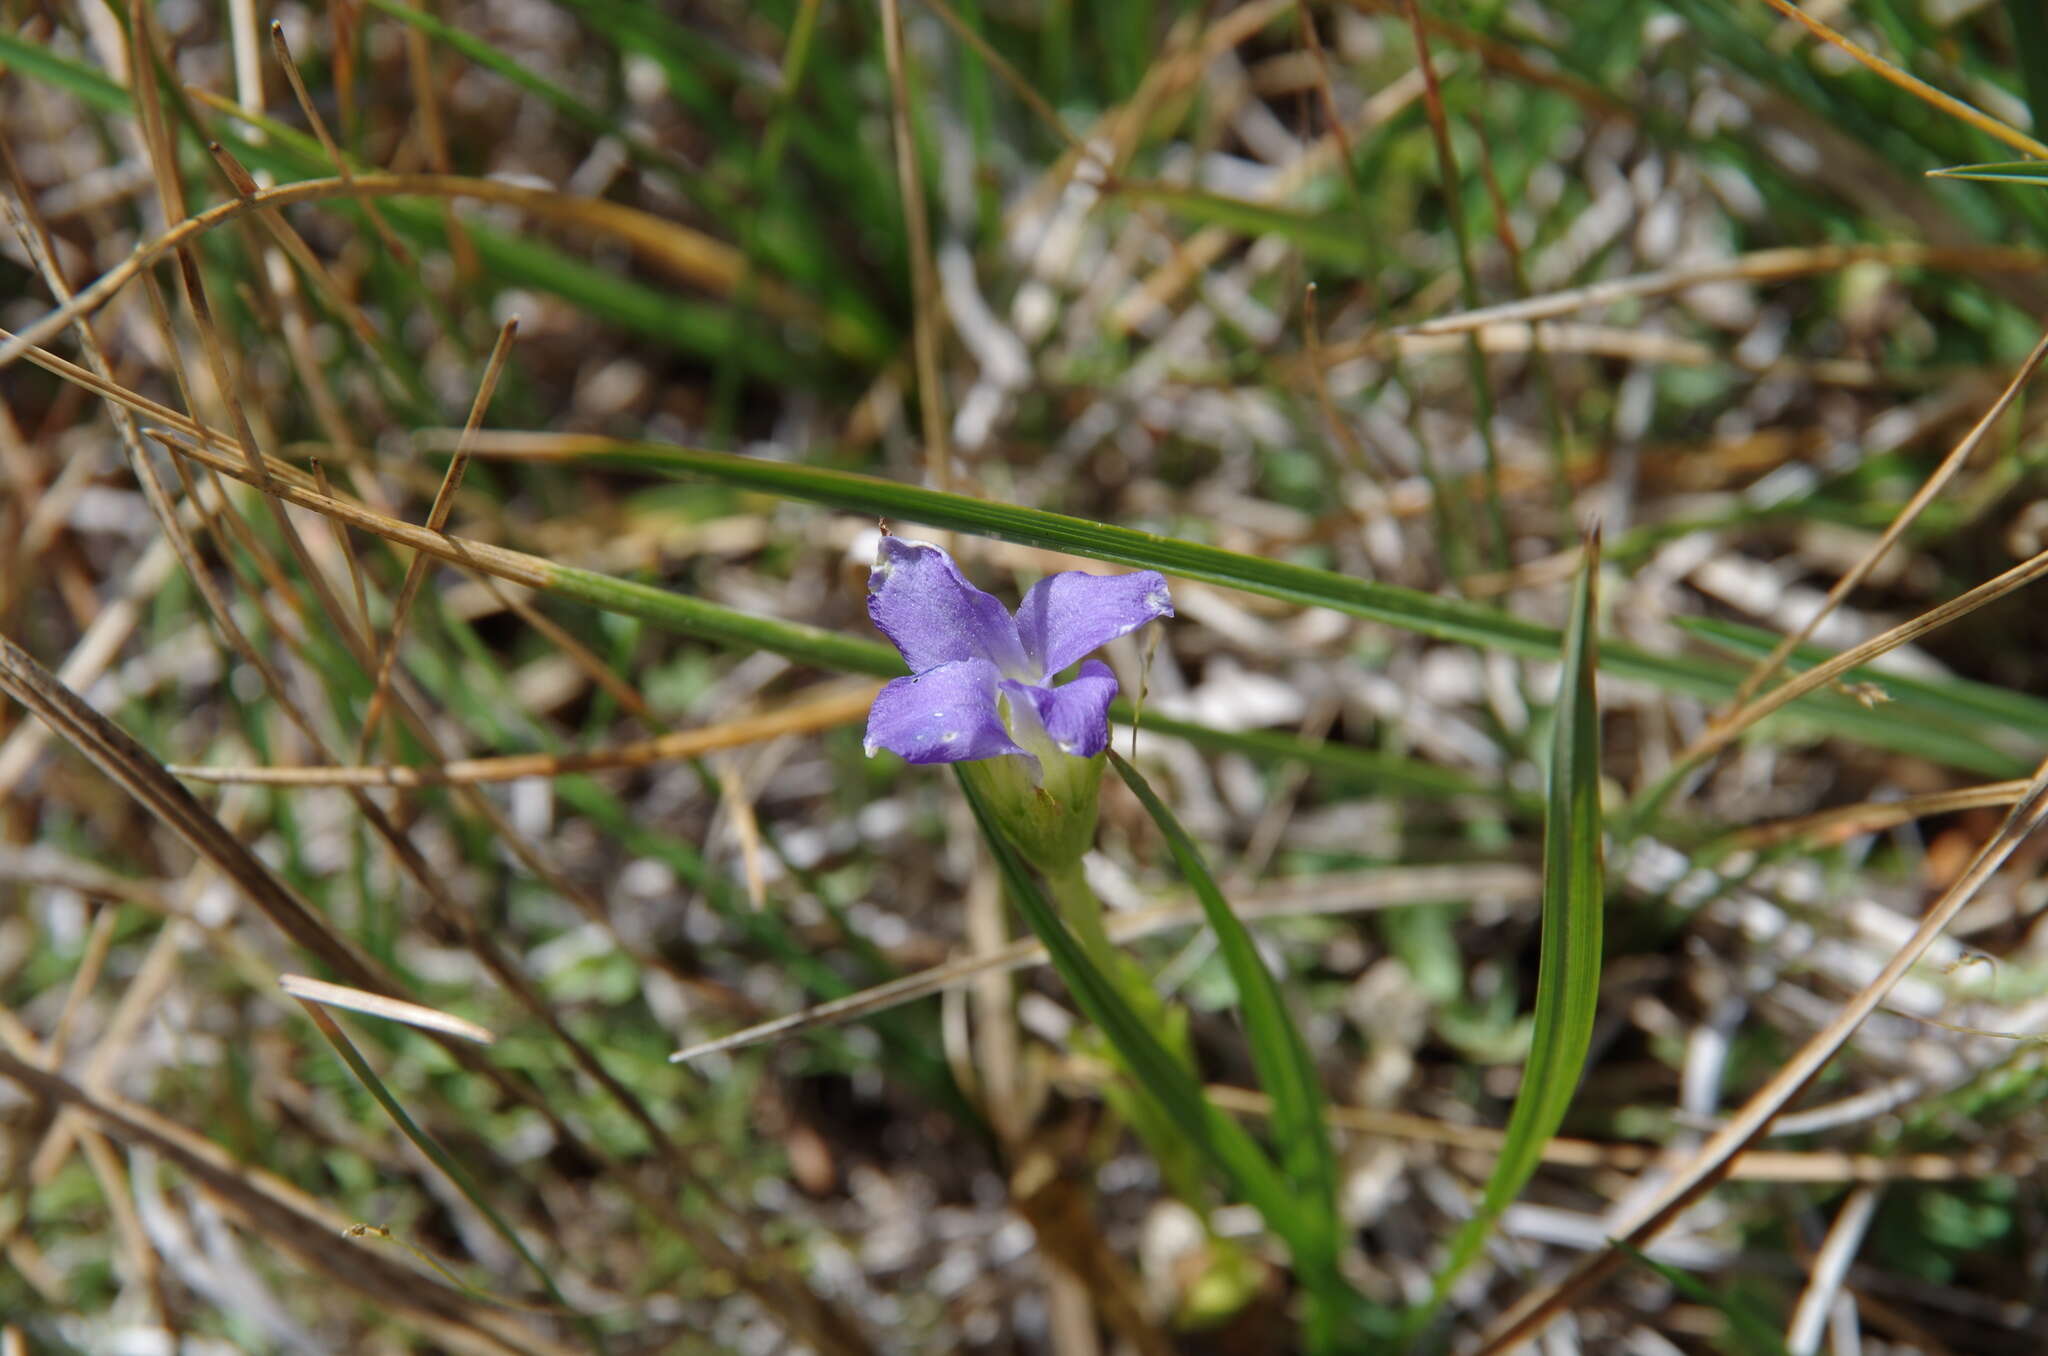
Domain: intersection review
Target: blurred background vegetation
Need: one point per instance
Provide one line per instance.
(1385, 303)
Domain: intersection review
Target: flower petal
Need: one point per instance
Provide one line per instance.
(925, 606)
(1065, 616)
(1075, 715)
(943, 715)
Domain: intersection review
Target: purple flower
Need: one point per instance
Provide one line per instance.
(981, 680)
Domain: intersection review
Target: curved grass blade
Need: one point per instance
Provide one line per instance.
(1220, 1140)
(1281, 1056)
(1286, 1070)
(1568, 971)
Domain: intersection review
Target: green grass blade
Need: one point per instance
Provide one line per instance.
(87, 85)
(1449, 619)
(1278, 1051)
(1220, 1140)
(2030, 46)
(1748, 1331)
(1961, 708)
(1332, 239)
(1568, 971)
(1286, 1070)
(724, 625)
(1410, 609)
(437, 1155)
(2033, 173)
(475, 49)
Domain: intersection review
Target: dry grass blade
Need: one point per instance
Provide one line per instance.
(1846, 821)
(287, 1218)
(1907, 516)
(437, 518)
(98, 939)
(924, 279)
(517, 566)
(1752, 1165)
(128, 763)
(433, 136)
(377, 1005)
(1006, 72)
(1724, 731)
(1913, 85)
(808, 717)
(1711, 1162)
(1830, 1270)
(1760, 266)
(311, 112)
(1383, 889)
(687, 255)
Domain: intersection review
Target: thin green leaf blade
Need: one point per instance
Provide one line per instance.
(2030, 47)
(1748, 1331)
(1281, 1056)
(1568, 971)
(1338, 1317)
(1332, 239)
(2033, 173)
(1219, 1139)
(440, 1157)
(89, 86)
(1448, 619)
